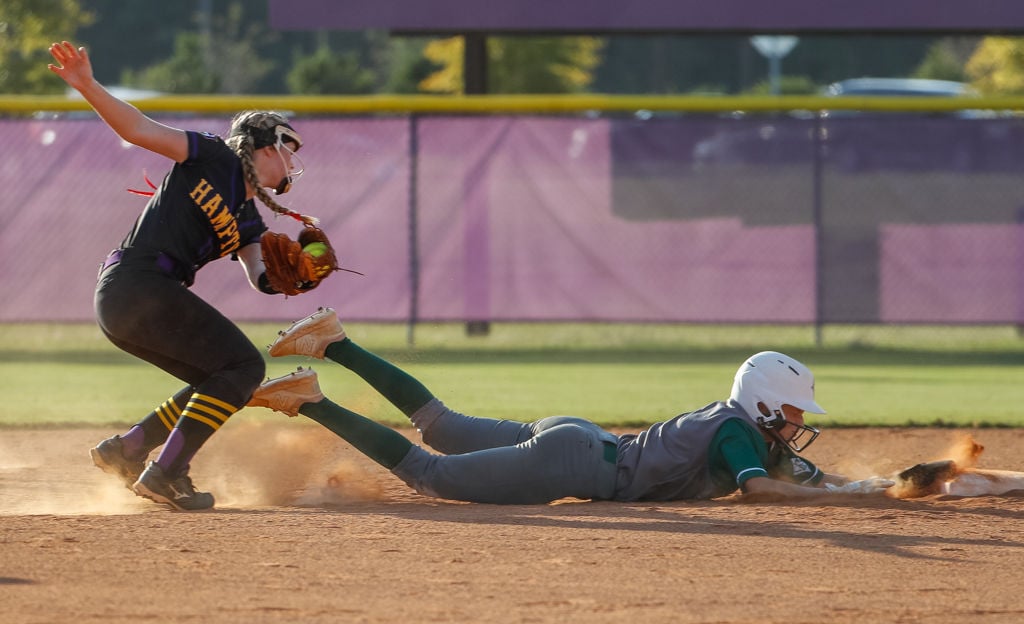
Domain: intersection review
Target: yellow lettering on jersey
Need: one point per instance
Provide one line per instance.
(224, 225)
(231, 234)
(201, 190)
(212, 209)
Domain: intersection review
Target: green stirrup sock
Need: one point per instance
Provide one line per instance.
(382, 444)
(397, 386)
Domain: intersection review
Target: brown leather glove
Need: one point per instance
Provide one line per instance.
(294, 267)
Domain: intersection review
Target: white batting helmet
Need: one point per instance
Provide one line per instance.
(775, 379)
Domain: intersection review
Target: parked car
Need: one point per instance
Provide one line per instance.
(907, 87)
(859, 141)
(900, 87)
(851, 141)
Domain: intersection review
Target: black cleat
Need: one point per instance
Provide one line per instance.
(178, 493)
(109, 457)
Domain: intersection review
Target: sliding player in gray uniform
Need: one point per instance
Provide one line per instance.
(749, 442)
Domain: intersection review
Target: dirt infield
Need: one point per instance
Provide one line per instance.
(306, 530)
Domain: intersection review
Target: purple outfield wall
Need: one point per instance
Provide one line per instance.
(692, 219)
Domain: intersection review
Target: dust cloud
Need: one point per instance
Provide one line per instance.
(247, 464)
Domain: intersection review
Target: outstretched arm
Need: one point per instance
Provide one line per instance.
(735, 445)
(766, 485)
(128, 122)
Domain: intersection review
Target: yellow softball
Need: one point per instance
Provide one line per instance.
(315, 249)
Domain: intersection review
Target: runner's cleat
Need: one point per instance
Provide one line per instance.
(109, 457)
(178, 493)
(309, 336)
(288, 393)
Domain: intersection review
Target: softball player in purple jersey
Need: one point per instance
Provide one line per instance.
(750, 441)
(202, 211)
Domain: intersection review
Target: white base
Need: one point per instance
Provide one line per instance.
(984, 483)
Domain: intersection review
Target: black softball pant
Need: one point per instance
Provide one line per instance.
(152, 316)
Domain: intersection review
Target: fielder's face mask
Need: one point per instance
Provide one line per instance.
(281, 137)
(286, 137)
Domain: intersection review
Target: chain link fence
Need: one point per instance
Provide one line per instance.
(775, 218)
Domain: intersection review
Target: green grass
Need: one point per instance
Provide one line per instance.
(618, 375)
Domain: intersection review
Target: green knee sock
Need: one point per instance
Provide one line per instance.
(397, 386)
(382, 444)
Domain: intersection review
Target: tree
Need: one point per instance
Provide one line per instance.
(132, 35)
(543, 64)
(946, 59)
(997, 66)
(27, 28)
(407, 65)
(185, 72)
(234, 52)
(447, 55)
(726, 63)
(203, 63)
(326, 71)
(788, 85)
(518, 64)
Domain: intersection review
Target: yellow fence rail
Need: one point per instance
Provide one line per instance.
(544, 104)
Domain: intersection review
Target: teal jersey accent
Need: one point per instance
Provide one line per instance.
(738, 452)
(670, 460)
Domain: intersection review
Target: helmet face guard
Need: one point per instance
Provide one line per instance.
(285, 135)
(280, 136)
(769, 380)
(801, 438)
(276, 135)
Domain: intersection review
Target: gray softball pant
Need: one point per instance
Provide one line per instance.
(508, 462)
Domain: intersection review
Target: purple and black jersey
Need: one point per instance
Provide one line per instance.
(199, 213)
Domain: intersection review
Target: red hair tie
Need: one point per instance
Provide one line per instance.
(145, 177)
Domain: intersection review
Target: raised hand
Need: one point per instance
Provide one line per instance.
(73, 64)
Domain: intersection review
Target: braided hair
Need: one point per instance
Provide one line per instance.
(252, 130)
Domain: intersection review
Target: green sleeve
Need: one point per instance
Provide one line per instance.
(737, 453)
